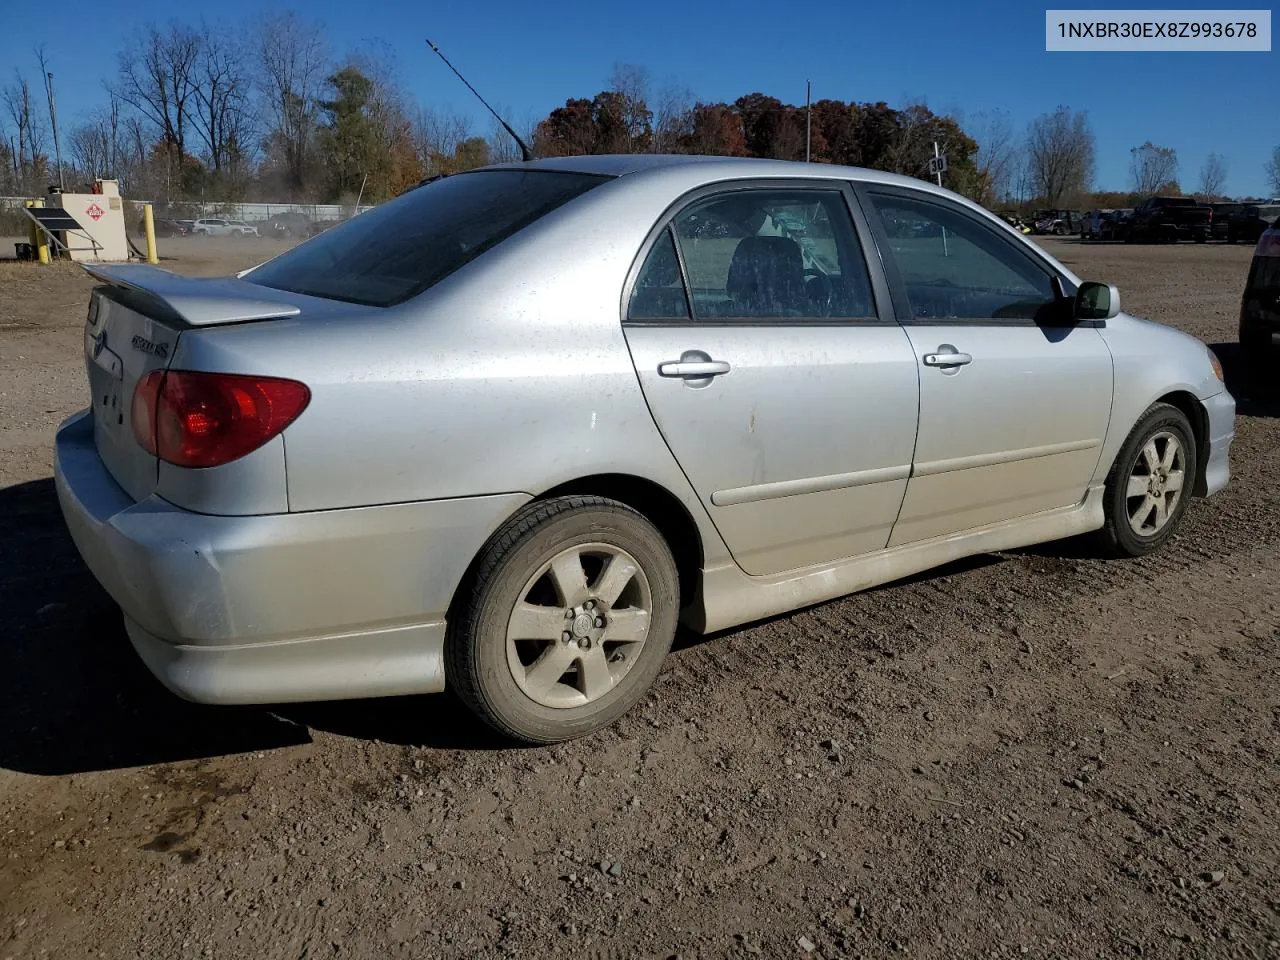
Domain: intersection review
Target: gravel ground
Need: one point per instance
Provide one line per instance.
(1027, 754)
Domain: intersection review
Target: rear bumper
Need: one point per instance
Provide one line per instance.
(283, 607)
(1221, 412)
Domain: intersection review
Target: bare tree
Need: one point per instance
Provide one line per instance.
(436, 135)
(1060, 154)
(502, 149)
(29, 147)
(672, 118)
(96, 150)
(293, 61)
(1213, 175)
(996, 155)
(1022, 179)
(631, 82)
(222, 116)
(1151, 167)
(1272, 169)
(160, 82)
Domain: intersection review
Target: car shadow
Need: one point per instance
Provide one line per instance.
(75, 698)
(1255, 387)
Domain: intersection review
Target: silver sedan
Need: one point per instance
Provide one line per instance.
(508, 430)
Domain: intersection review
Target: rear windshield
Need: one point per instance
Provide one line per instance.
(400, 248)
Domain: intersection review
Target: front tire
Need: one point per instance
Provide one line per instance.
(572, 609)
(1150, 483)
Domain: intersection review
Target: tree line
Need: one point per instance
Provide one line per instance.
(268, 111)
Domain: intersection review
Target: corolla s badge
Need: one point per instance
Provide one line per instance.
(160, 350)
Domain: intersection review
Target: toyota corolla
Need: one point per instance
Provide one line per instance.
(505, 432)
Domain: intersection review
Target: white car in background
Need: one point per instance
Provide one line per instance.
(219, 227)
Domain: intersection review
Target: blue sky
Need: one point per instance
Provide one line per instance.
(529, 57)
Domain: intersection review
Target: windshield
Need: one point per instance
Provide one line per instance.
(398, 249)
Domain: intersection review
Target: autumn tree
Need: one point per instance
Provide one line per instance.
(1151, 166)
(568, 131)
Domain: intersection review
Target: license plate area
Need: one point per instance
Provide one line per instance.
(107, 381)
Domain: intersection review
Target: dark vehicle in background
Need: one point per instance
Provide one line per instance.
(1260, 305)
(1249, 223)
(1222, 214)
(290, 225)
(1106, 224)
(1169, 219)
(164, 227)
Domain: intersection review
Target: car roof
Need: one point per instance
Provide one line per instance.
(715, 168)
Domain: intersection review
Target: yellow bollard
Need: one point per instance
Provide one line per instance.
(42, 244)
(149, 227)
(32, 230)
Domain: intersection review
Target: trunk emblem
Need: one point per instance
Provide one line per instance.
(99, 344)
(160, 350)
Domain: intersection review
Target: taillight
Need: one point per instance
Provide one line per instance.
(195, 419)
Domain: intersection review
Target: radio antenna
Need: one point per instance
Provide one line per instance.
(525, 153)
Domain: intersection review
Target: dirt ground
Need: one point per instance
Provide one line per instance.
(1029, 754)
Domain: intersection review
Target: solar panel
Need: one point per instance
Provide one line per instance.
(53, 218)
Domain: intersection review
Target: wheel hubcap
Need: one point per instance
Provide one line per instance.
(1155, 484)
(578, 625)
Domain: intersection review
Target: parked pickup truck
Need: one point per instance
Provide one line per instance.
(1159, 219)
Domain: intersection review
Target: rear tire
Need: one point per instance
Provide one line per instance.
(1150, 483)
(572, 609)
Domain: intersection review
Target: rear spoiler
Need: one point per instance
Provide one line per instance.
(196, 301)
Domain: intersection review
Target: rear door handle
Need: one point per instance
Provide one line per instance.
(947, 359)
(692, 369)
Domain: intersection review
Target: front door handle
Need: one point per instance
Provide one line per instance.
(692, 369)
(947, 359)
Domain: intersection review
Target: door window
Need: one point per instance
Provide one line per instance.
(954, 268)
(774, 255)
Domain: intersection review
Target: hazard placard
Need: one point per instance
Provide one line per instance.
(94, 212)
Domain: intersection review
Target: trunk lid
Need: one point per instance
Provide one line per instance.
(135, 320)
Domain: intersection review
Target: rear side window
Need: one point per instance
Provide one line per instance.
(774, 255)
(400, 248)
(659, 292)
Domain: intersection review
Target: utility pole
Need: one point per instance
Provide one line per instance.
(53, 116)
(808, 117)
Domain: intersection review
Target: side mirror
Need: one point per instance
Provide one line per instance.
(1097, 301)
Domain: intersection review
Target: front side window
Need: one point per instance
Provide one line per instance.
(398, 249)
(954, 268)
(774, 254)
